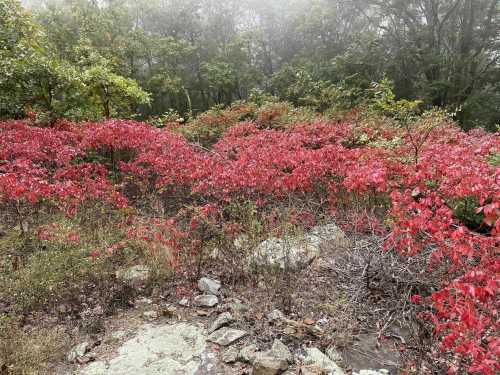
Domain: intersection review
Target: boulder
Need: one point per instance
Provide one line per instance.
(230, 355)
(221, 321)
(329, 235)
(267, 364)
(206, 300)
(333, 354)
(77, 352)
(288, 252)
(160, 349)
(150, 315)
(238, 307)
(136, 277)
(226, 336)
(299, 251)
(316, 359)
(248, 353)
(275, 315)
(209, 286)
(281, 351)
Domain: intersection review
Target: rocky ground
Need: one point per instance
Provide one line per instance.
(204, 335)
(303, 327)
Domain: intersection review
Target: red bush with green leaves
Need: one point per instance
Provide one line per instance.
(420, 178)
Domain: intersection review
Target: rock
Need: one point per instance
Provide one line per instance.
(299, 251)
(241, 242)
(266, 364)
(315, 358)
(143, 302)
(238, 307)
(77, 352)
(333, 354)
(169, 349)
(168, 310)
(368, 352)
(226, 336)
(292, 253)
(230, 355)
(118, 335)
(312, 370)
(248, 353)
(281, 351)
(372, 372)
(206, 300)
(209, 286)
(150, 315)
(136, 277)
(221, 321)
(327, 236)
(183, 302)
(275, 315)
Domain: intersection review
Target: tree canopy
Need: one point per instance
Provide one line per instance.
(194, 54)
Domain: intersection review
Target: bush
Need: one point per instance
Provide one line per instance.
(425, 178)
(210, 126)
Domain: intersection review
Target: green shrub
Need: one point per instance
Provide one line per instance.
(465, 210)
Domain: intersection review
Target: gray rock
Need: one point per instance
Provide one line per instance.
(150, 315)
(247, 354)
(226, 336)
(143, 302)
(266, 364)
(292, 253)
(312, 370)
(329, 235)
(238, 307)
(171, 349)
(315, 358)
(333, 354)
(281, 351)
(184, 302)
(275, 315)
(136, 277)
(367, 352)
(299, 251)
(77, 352)
(118, 335)
(209, 286)
(222, 320)
(206, 300)
(230, 355)
(241, 242)
(372, 372)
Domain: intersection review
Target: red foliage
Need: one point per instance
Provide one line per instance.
(70, 164)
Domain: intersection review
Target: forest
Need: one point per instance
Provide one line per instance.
(203, 187)
(83, 59)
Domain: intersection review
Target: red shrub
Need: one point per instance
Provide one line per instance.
(69, 164)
